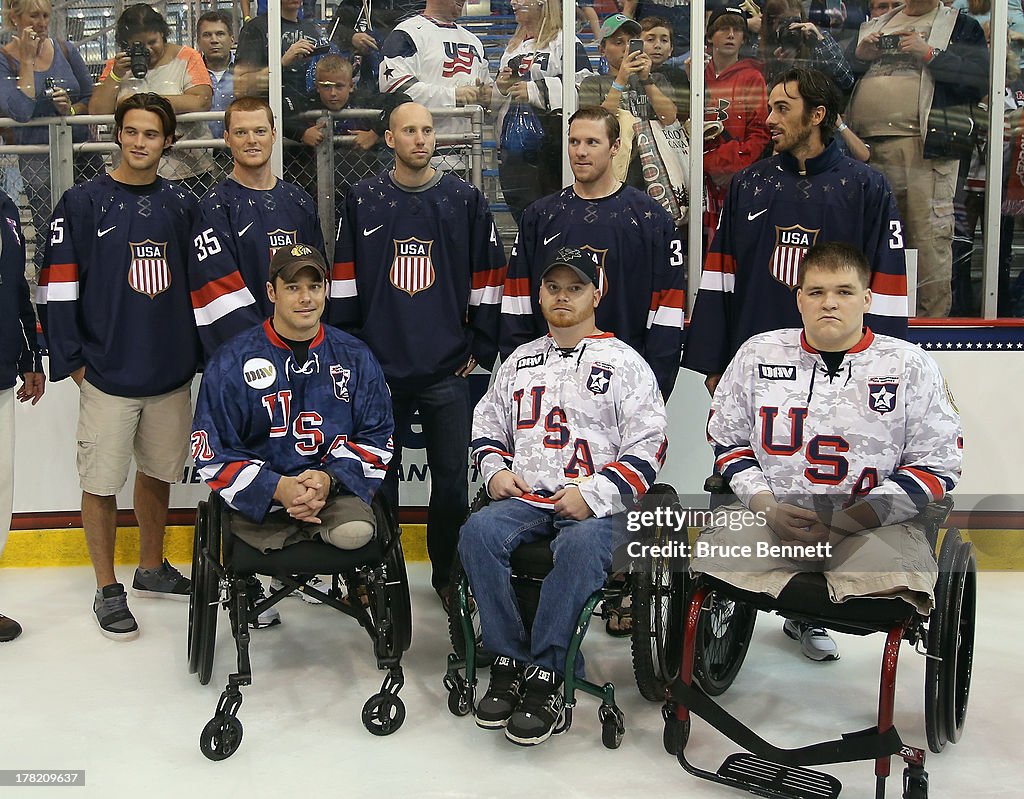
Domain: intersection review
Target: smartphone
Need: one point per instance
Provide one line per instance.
(636, 46)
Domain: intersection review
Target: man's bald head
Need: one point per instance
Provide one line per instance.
(410, 134)
(410, 113)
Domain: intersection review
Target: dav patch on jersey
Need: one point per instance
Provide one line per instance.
(768, 371)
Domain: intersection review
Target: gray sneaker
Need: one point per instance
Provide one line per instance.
(165, 582)
(112, 614)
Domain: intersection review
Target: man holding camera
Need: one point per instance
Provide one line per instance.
(921, 69)
(300, 40)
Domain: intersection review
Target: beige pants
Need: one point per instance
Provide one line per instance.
(886, 561)
(924, 191)
(346, 522)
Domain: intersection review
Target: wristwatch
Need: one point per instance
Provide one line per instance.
(335, 488)
(646, 81)
(935, 51)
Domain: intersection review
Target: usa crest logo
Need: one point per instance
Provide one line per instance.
(412, 271)
(458, 59)
(882, 394)
(149, 272)
(599, 380)
(282, 238)
(599, 259)
(791, 245)
(340, 376)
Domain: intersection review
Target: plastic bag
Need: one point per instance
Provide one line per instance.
(522, 131)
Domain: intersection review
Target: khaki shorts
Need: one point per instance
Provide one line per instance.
(883, 562)
(111, 429)
(278, 529)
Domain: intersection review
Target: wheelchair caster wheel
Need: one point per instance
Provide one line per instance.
(675, 736)
(915, 783)
(383, 714)
(612, 726)
(458, 702)
(221, 736)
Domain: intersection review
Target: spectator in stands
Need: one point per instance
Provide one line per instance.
(629, 90)
(176, 72)
(788, 40)
(360, 35)
(299, 40)
(529, 86)
(30, 62)
(676, 13)
(215, 39)
(656, 34)
(438, 63)
(906, 106)
(877, 8)
(307, 10)
(737, 101)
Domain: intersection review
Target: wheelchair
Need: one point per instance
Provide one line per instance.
(655, 589)
(221, 566)
(717, 626)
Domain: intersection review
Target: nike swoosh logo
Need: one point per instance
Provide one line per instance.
(371, 231)
(752, 217)
(243, 230)
(101, 233)
(547, 241)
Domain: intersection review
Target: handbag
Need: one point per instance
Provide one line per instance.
(952, 132)
(665, 161)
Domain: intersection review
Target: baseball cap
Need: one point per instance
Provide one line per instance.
(288, 261)
(616, 21)
(574, 258)
(721, 11)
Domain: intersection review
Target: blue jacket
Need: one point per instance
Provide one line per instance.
(19, 352)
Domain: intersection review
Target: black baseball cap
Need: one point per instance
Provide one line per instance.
(580, 263)
(289, 261)
(721, 11)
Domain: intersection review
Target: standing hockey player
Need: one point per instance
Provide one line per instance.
(242, 222)
(836, 436)
(806, 194)
(114, 304)
(571, 432)
(418, 274)
(637, 248)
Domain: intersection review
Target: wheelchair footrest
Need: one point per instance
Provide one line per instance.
(798, 783)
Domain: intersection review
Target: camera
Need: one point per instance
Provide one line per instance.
(139, 55)
(51, 88)
(320, 46)
(889, 42)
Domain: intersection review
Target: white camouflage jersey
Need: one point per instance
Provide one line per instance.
(885, 426)
(592, 416)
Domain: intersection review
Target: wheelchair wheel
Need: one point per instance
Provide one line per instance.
(198, 538)
(400, 604)
(221, 737)
(455, 634)
(958, 649)
(935, 721)
(723, 636)
(208, 595)
(383, 713)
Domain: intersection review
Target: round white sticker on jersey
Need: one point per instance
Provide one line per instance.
(259, 373)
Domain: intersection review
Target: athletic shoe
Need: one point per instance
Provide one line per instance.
(9, 628)
(254, 594)
(313, 582)
(112, 615)
(503, 694)
(540, 710)
(815, 642)
(164, 582)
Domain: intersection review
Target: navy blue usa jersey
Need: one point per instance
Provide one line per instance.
(418, 276)
(113, 292)
(772, 216)
(641, 258)
(237, 232)
(261, 416)
(18, 350)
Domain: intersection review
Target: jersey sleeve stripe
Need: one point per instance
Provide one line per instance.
(720, 262)
(59, 283)
(931, 484)
(403, 80)
(489, 278)
(882, 283)
(643, 467)
(222, 306)
(717, 281)
(889, 305)
(343, 270)
(516, 306)
(217, 288)
(536, 500)
(489, 295)
(633, 478)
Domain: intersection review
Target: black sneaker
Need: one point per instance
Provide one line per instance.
(9, 628)
(163, 582)
(503, 694)
(112, 614)
(540, 710)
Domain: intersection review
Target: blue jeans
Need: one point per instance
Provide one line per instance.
(582, 555)
(446, 415)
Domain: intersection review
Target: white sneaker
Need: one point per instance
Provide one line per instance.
(815, 642)
(269, 616)
(312, 582)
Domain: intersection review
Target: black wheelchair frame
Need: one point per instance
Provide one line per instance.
(717, 626)
(221, 566)
(657, 598)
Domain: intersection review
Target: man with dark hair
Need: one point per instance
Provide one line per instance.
(775, 210)
(572, 431)
(835, 438)
(418, 275)
(299, 39)
(215, 40)
(241, 223)
(114, 305)
(638, 250)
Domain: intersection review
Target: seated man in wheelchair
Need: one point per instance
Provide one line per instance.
(835, 439)
(571, 432)
(293, 423)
